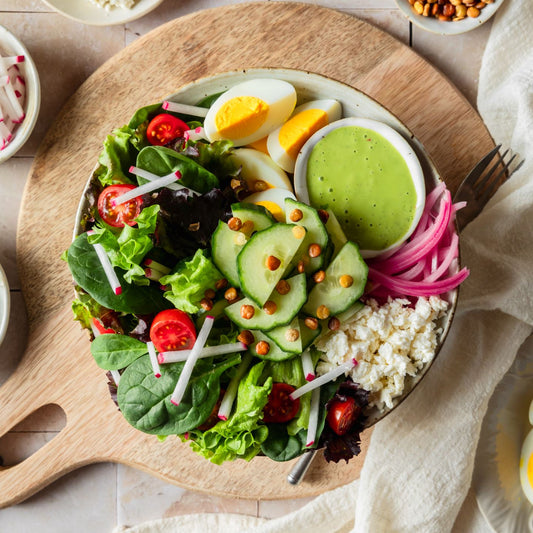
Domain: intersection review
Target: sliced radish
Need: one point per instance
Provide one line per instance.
(332, 375)
(147, 187)
(116, 376)
(153, 359)
(313, 417)
(152, 177)
(307, 365)
(231, 392)
(108, 268)
(11, 60)
(208, 351)
(195, 135)
(185, 109)
(188, 367)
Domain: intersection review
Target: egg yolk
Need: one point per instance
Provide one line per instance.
(260, 145)
(299, 128)
(274, 208)
(241, 116)
(530, 470)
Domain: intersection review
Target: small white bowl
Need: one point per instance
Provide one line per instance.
(396, 139)
(443, 27)
(10, 45)
(5, 304)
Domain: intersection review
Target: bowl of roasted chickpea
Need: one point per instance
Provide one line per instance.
(449, 17)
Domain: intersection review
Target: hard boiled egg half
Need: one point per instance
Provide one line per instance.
(284, 143)
(273, 200)
(250, 110)
(259, 171)
(526, 461)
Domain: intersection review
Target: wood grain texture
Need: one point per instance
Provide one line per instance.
(57, 366)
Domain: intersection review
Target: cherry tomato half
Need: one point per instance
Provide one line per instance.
(165, 128)
(122, 214)
(100, 327)
(342, 414)
(280, 407)
(172, 330)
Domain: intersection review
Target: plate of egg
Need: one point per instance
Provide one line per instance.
(503, 470)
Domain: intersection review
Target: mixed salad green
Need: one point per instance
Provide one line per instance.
(178, 265)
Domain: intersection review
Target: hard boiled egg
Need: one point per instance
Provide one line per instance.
(259, 171)
(273, 200)
(285, 142)
(250, 110)
(526, 466)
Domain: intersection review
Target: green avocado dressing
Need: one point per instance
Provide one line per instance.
(365, 181)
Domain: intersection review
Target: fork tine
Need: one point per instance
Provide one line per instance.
(479, 185)
(476, 172)
(497, 181)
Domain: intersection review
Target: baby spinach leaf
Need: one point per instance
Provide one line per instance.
(162, 161)
(145, 400)
(88, 273)
(113, 352)
(280, 446)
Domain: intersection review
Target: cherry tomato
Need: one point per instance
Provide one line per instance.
(342, 414)
(118, 215)
(165, 128)
(172, 330)
(99, 326)
(280, 407)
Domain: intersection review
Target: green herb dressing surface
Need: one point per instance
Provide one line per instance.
(365, 181)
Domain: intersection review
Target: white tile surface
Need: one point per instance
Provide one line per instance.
(83, 501)
(96, 498)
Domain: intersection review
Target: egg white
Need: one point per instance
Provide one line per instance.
(257, 166)
(279, 95)
(525, 458)
(299, 128)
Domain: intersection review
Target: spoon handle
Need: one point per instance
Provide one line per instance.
(300, 468)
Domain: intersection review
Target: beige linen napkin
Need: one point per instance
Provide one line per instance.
(419, 466)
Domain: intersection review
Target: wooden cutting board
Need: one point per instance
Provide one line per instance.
(57, 367)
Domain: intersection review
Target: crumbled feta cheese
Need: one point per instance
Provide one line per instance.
(389, 342)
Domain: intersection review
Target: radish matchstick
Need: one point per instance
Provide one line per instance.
(186, 109)
(208, 351)
(147, 187)
(106, 265)
(307, 365)
(231, 392)
(332, 375)
(188, 367)
(153, 359)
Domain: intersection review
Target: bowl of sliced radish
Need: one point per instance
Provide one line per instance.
(20, 94)
(231, 289)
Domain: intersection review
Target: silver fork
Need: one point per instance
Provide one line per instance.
(482, 182)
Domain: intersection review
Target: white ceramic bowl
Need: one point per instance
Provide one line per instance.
(390, 134)
(10, 45)
(88, 13)
(5, 304)
(435, 25)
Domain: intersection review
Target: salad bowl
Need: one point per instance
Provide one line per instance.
(310, 86)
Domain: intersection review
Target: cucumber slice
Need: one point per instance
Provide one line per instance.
(330, 292)
(261, 218)
(282, 337)
(316, 234)
(258, 281)
(226, 244)
(335, 232)
(275, 353)
(308, 335)
(287, 307)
